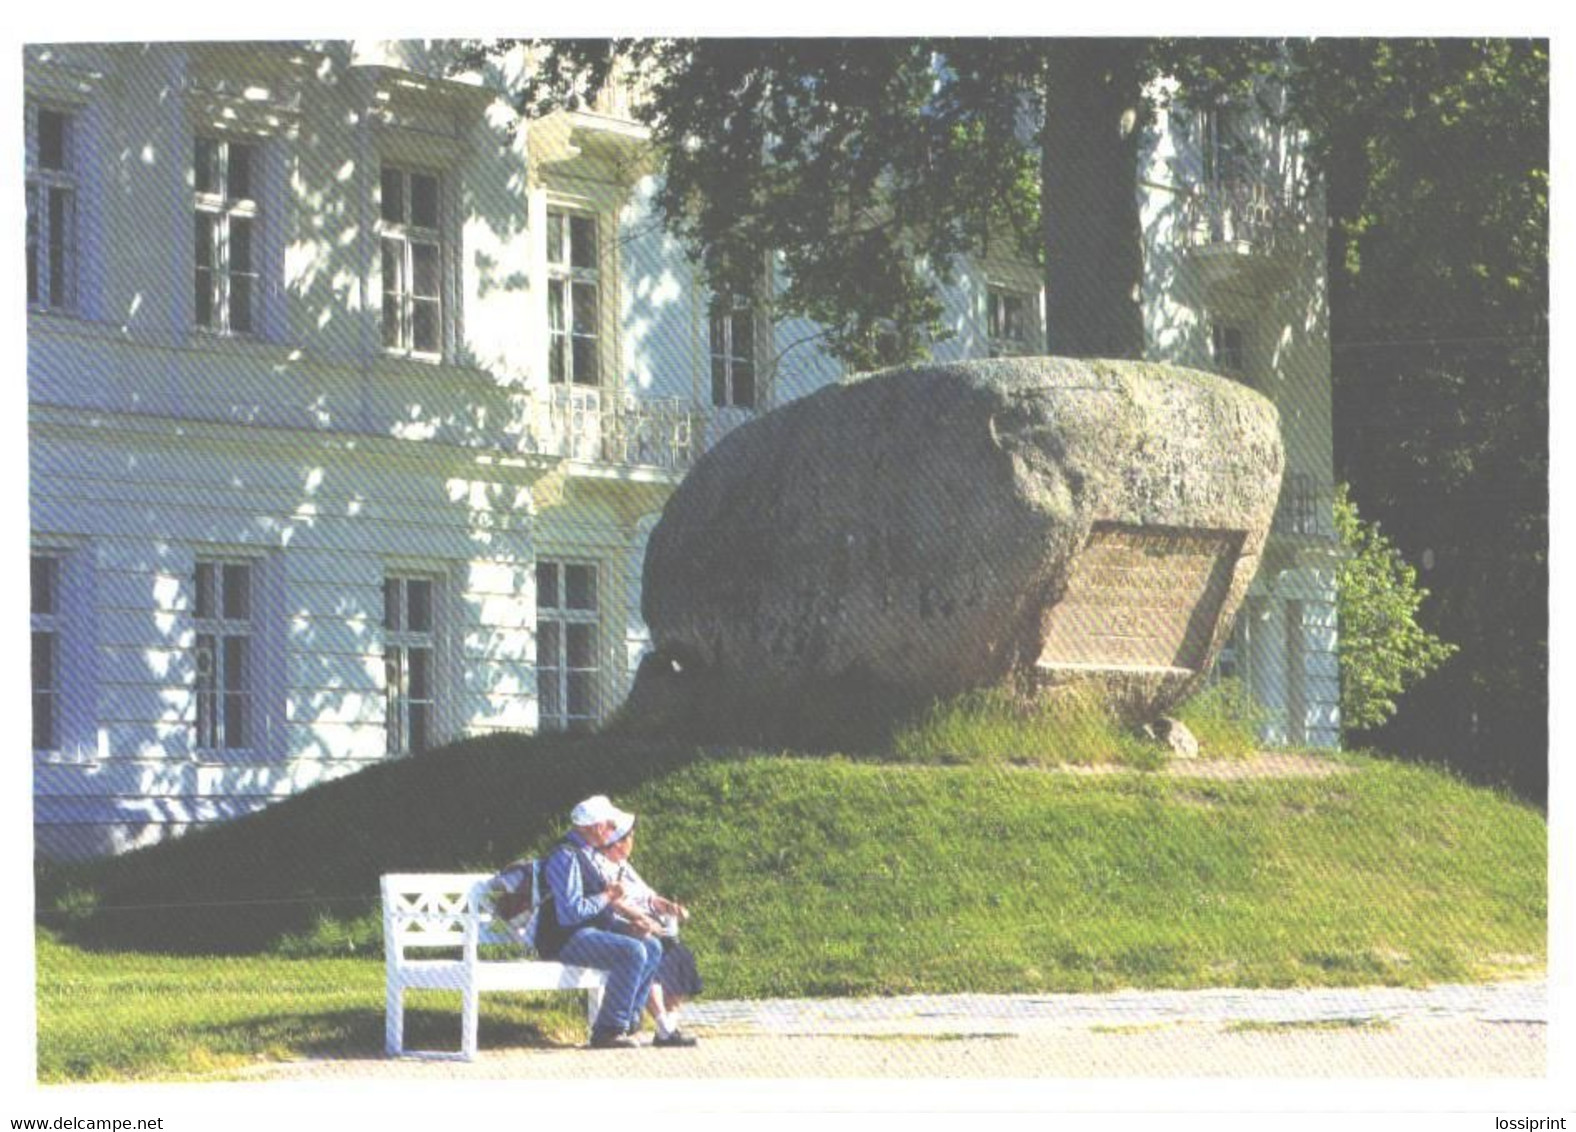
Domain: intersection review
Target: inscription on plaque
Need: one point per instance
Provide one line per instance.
(1141, 597)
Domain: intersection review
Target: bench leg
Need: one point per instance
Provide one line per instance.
(470, 1021)
(394, 1021)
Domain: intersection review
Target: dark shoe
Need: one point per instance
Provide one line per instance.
(678, 1039)
(611, 1039)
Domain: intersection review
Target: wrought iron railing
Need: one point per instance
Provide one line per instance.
(1303, 509)
(1244, 212)
(594, 426)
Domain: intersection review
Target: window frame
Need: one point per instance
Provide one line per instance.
(212, 719)
(1000, 345)
(407, 235)
(1227, 146)
(46, 624)
(563, 616)
(1229, 358)
(52, 285)
(217, 205)
(728, 309)
(400, 642)
(566, 280)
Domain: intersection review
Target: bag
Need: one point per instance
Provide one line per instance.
(515, 899)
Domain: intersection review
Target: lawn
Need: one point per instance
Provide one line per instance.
(807, 877)
(132, 1016)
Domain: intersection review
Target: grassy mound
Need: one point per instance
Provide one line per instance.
(312, 862)
(1001, 726)
(832, 876)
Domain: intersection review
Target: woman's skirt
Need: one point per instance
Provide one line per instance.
(677, 973)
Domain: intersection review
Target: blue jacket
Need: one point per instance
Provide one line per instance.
(576, 896)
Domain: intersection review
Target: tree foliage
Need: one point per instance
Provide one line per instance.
(1383, 648)
(1435, 154)
(867, 166)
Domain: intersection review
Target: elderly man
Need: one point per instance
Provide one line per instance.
(581, 930)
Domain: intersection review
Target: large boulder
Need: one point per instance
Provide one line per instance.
(922, 532)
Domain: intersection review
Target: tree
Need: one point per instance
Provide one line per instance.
(1383, 649)
(868, 166)
(1435, 153)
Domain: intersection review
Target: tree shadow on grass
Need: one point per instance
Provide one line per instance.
(358, 1035)
(352, 1037)
(246, 885)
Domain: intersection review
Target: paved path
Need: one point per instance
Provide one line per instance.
(1495, 1030)
(979, 1014)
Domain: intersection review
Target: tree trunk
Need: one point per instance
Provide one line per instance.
(1089, 199)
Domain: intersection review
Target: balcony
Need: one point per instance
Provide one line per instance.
(602, 139)
(1299, 512)
(1238, 229)
(1302, 533)
(593, 426)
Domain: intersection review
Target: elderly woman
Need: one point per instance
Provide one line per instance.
(652, 916)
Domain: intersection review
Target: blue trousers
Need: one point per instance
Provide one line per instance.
(630, 964)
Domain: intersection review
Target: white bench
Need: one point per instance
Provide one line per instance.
(424, 912)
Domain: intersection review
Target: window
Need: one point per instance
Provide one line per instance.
(51, 210)
(45, 593)
(1227, 145)
(732, 353)
(573, 299)
(409, 649)
(1225, 344)
(1298, 510)
(225, 206)
(222, 618)
(566, 645)
(1011, 322)
(412, 258)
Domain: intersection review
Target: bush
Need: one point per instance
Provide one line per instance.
(1383, 649)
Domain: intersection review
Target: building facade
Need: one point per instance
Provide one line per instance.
(353, 398)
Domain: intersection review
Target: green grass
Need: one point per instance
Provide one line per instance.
(133, 1016)
(1250, 1026)
(807, 877)
(1224, 719)
(999, 726)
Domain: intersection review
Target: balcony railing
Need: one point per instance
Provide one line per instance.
(1248, 214)
(1302, 510)
(617, 98)
(594, 426)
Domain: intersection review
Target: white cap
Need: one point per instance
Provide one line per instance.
(595, 810)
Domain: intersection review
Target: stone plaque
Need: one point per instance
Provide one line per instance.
(1144, 597)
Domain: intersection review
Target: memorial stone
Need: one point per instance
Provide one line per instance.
(922, 532)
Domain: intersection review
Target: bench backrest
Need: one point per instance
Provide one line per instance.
(437, 910)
